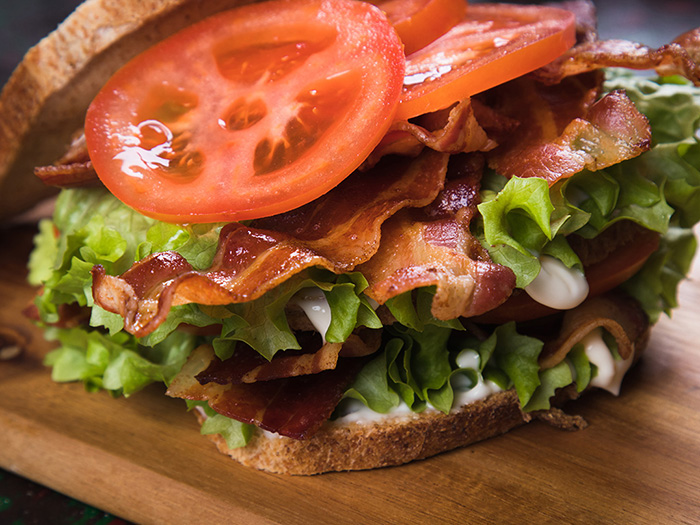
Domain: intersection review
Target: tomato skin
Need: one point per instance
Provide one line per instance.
(493, 44)
(602, 276)
(420, 22)
(249, 113)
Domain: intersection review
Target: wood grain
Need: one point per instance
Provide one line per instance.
(143, 459)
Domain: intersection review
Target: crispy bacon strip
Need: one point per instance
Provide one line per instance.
(74, 175)
(620, 315)
(292, 366)
(436, 253)
(437, 249)
(248, 366)
(669, 59)
(456, 130)
(690, 41)
(295, 407)
(563, 130)
(72, 170)
(336, 232)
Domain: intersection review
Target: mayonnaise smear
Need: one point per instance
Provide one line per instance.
(557, 286)
(610, 371)
(315, 305)
(465, 392)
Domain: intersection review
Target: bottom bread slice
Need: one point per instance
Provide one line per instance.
(400, 439)
(392, 441)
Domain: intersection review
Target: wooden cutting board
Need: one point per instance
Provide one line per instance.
(143, 459)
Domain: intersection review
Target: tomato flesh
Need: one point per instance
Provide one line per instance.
(419, 22)
(493, 44)
(252, 112)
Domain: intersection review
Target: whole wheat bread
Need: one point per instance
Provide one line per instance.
(44, 102)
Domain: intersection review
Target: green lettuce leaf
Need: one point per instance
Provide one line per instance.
(262, 323)
(96, 228)
(655, 286)
(523, 220)
(413, 309)
(550, 380)
(235, 433)
(582, 366)
(115, 362)
(371, 386)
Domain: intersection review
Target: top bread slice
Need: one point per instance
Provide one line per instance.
(44, 102)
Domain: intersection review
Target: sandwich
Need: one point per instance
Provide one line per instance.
(345, 242)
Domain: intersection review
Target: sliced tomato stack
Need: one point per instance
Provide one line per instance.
(494, 43)
(261, 109)
(420, 22)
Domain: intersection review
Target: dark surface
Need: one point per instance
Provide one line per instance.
(23, 502)
(24, 23)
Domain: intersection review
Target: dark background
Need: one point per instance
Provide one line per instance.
(651, 22)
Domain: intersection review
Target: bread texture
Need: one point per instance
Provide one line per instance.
(44, 102)
(394, 441)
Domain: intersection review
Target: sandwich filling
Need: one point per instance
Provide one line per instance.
(524, 237)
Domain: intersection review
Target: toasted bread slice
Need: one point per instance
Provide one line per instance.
(44, 102)
(396, 440)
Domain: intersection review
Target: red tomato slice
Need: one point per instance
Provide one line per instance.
(493, 44)
(249, 113)
(419, 22)
(603, 276)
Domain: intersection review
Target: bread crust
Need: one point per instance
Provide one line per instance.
(394, 441)
(44, 102)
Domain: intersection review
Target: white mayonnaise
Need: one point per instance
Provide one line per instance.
(468, 359)
(610, 371)
(557, 286)
(465, 392)
(316, 308)
(481, 390)
(464, 389)
(355, 411)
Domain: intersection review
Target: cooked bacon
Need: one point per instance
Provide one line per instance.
(363, 342)
(72, 170)
(299, 365)
(248, 366)
(337, 232)
(564, 130)
(77, 150)
(433, 247)
(690, 41)
(295, 407)
(669, 59)
(68, 175)
(436, 253)
(620, 315)
(460, 196)
(455, 130)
